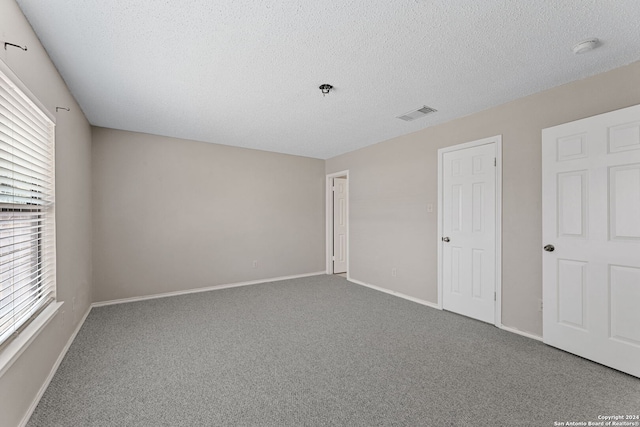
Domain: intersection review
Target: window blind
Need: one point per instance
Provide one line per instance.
(27, 215)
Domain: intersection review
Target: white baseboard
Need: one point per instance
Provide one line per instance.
(207, 289)
(397, 294)
(53, 371)
(523, 333)
(432, 305)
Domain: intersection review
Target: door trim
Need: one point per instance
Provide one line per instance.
(498, 141)
(329, 221)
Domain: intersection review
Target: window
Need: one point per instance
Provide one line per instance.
(27, 217)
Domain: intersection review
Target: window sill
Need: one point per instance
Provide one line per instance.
(15, 348)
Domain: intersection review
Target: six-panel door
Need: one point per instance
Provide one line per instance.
(591, 215)
(469, 212)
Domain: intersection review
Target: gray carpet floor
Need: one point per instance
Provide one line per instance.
(318, 351)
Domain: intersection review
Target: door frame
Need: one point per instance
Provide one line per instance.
(329, 222)
(498, 236)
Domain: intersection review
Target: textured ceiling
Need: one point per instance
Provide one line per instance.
(246, 72)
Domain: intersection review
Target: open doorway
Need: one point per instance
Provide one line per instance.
(338, 224)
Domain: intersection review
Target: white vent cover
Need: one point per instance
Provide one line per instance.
(416, 114)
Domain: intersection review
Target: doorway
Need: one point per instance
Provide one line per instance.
(469, 229)
(338, 223)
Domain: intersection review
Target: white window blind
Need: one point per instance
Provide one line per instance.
(27, 217)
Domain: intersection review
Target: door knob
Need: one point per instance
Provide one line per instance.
(445, 239)
(549, 248)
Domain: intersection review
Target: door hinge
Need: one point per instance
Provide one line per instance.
(495, 161)
(333, 258)
(495, 297)
(333, 188)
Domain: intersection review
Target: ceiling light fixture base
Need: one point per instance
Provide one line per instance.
(325, 88)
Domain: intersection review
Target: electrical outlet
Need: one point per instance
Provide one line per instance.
(255, 263)
(394, 272)
(540, 305)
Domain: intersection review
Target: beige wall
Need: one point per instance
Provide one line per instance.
(21, 383)
(173, 214)
(170, 214)
(392, 182)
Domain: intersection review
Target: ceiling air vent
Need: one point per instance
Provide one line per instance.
(416, 114)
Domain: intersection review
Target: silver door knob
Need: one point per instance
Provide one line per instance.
(445, 239)
(549, 248)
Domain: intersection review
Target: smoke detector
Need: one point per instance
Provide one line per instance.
(416, 114)
(585, 46)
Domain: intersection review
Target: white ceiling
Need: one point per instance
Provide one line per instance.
(246, 72)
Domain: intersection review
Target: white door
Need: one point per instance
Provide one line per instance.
(469, 231)
(339, 225)
(591, 234)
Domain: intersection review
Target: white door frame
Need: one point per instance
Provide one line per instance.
(329, 216)
(498, 141)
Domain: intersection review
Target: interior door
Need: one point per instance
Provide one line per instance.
(469, 232)
(591, 237)
(339, 225)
